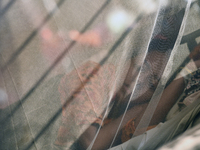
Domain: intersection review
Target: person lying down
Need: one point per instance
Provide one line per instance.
(81, 119)
(85, 115)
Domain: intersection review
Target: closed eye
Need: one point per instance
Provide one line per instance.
(153, 81)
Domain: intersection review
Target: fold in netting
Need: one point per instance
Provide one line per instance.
(84, 75)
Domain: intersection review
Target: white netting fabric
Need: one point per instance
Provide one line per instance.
(97, 74)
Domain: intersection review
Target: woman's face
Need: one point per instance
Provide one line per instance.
(149, 76)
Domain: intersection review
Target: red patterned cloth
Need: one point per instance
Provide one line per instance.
(88, 102)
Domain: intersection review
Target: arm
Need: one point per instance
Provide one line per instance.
(108, 131)
(168, 99)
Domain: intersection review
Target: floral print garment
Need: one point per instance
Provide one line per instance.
(193, 82)
(88, 103)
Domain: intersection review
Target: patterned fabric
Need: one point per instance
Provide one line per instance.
(129, 129)
(89, 99)
(193, 82)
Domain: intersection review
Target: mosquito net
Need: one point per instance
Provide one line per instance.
(98, 74)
